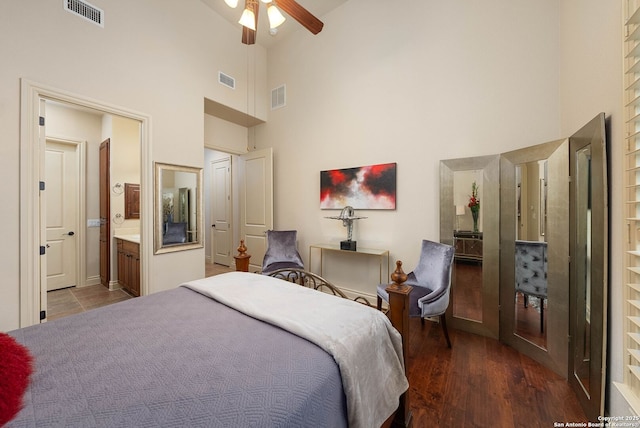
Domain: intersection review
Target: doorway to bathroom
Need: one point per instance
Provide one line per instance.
(36, 122)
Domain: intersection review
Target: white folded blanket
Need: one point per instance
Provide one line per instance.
(362, 340)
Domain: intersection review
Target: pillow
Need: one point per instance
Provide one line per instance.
(15, 370)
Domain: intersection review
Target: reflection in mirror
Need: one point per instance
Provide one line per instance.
(467, 272)
(534, 180)
(474, 303)
(178, 208)
(531, 251)
(583, 266)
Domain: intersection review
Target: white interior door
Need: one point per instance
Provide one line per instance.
(221, 232)
(61, 178)
(256, 203)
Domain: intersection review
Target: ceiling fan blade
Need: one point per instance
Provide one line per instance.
(300, 14)
(249, 35)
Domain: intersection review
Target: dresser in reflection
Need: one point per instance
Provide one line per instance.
(468, 245)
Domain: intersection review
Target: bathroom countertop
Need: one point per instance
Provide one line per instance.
(130, 238)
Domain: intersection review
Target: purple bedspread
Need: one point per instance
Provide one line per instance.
(176, 358)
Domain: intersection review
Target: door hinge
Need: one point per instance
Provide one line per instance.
(42, 250)
(43, 315)
(42, 185)
(41, 121)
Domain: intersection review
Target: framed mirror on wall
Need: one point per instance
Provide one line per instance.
(178, 208)
(469, 220)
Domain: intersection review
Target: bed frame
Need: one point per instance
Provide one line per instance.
(398, 313)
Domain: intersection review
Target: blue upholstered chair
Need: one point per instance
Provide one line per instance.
(175, 233)
(281, 251)
(531, 272)
(431, 282)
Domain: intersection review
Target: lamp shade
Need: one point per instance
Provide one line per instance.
(231, 3)
(275, 16)
(248, 19)
(459, 209)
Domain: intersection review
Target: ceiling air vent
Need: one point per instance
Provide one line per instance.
(278, 97)
(226, 80)
(85, 10)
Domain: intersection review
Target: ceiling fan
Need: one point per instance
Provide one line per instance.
(249, 18)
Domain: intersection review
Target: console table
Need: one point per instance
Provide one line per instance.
(382, 255)
(468, 245)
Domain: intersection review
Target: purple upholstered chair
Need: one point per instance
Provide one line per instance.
(431, 282)
(281, 251)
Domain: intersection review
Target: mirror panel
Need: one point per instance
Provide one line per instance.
(531, 251)
(582, 268)
(475, 285)
(589, 267)
(522, 216)
(467, 239)
(178, 208)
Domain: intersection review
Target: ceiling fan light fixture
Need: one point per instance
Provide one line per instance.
(248, 19)
(266, 1)
(276, 18)
(231, 3)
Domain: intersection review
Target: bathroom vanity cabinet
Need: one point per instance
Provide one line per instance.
(129, 265)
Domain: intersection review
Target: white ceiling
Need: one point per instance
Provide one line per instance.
(316, 7)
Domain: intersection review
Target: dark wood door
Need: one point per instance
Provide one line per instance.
(105, 208)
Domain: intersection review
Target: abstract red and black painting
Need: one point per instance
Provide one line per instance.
(370, 187)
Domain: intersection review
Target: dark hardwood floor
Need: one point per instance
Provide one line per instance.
(479, 382)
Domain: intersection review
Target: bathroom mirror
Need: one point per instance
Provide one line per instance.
(475, 285)
(178, 208)
(534, 256)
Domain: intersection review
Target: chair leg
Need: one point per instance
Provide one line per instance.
(443, 322)
(379, 305)
(541, 315)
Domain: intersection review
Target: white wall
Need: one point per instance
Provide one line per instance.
(591, 82)
(159, 57)
(222, 135)
(412, 83)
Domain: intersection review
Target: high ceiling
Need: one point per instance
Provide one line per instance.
(316, 7)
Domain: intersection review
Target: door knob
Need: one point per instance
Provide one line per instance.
(71, 233)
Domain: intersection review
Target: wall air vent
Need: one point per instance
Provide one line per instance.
(226, 80)
(85, 10)
(278, 97)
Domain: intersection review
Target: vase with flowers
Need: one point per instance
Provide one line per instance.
(474, 205)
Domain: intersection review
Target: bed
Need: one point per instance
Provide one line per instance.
(237, 349)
